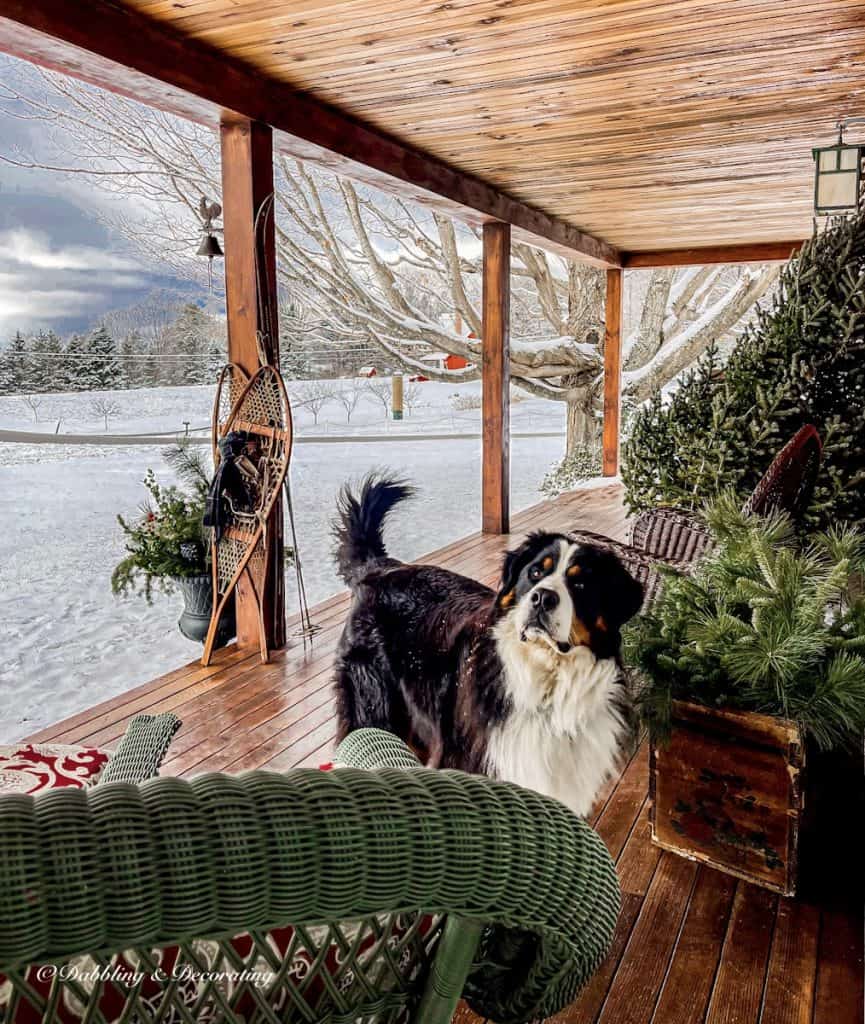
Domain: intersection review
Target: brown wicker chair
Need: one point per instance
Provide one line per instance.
(671, 534)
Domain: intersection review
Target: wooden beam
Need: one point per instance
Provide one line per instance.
(757, 252)
(612, 372)
(119, 49)
(247, 182)
(495, 384)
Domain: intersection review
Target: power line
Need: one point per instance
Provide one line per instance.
(120, 355)
(100, 356)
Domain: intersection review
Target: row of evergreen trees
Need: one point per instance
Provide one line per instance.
(189, 351)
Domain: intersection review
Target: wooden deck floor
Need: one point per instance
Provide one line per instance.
(691, 945)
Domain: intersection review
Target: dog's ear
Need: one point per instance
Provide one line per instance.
(511, 566)
(624, 595)
(621, 599)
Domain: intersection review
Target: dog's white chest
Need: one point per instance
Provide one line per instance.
(563, 735)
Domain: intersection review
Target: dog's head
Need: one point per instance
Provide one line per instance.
(568, 594)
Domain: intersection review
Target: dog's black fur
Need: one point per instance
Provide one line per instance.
(418, 657)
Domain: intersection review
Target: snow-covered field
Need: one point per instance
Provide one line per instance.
(167, 410)
(70, 644)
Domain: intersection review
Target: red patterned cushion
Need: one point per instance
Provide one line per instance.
(29, 767)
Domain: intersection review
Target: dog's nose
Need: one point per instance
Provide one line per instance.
(544, 600)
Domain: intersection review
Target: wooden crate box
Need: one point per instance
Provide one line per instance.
(727, 791)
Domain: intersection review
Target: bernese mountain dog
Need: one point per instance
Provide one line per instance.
(523, 684)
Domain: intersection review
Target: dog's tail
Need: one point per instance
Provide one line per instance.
(359, 521)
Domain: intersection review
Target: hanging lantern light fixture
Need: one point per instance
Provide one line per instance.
(838, 174)
(210, 246)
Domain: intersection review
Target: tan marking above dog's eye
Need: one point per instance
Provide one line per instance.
(548, 562)
(574, 570)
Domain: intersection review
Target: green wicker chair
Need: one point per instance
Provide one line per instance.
(141, 749)
(353, 895)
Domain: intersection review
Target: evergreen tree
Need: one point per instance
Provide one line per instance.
(194, 334)
(216, 359)
(104, 367)
(14, 366)
(47, 362)
(77, 375)
(801, 361)
(133, 369)
(294, 362)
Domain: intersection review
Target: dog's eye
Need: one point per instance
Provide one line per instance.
(535, 572)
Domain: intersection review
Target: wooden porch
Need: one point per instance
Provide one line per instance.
(692, 945)
(239, 714)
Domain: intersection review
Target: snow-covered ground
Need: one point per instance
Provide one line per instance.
(70, 644)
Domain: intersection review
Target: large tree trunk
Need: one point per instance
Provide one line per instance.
(582, 425)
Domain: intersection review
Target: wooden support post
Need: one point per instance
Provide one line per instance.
(247, 181)
(612, 372)
(496, 378)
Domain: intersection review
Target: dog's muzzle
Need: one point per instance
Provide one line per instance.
(542, 602)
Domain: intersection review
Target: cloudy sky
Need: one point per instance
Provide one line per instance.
(60, 267)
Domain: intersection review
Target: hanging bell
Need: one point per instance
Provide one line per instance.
(210, 247)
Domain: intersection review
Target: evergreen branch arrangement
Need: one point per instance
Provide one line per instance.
(765, 623)
(801, 360)
(168, 540)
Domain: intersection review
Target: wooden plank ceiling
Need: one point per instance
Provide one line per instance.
(653, 125)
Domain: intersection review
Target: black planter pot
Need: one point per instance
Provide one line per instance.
(194, 620)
